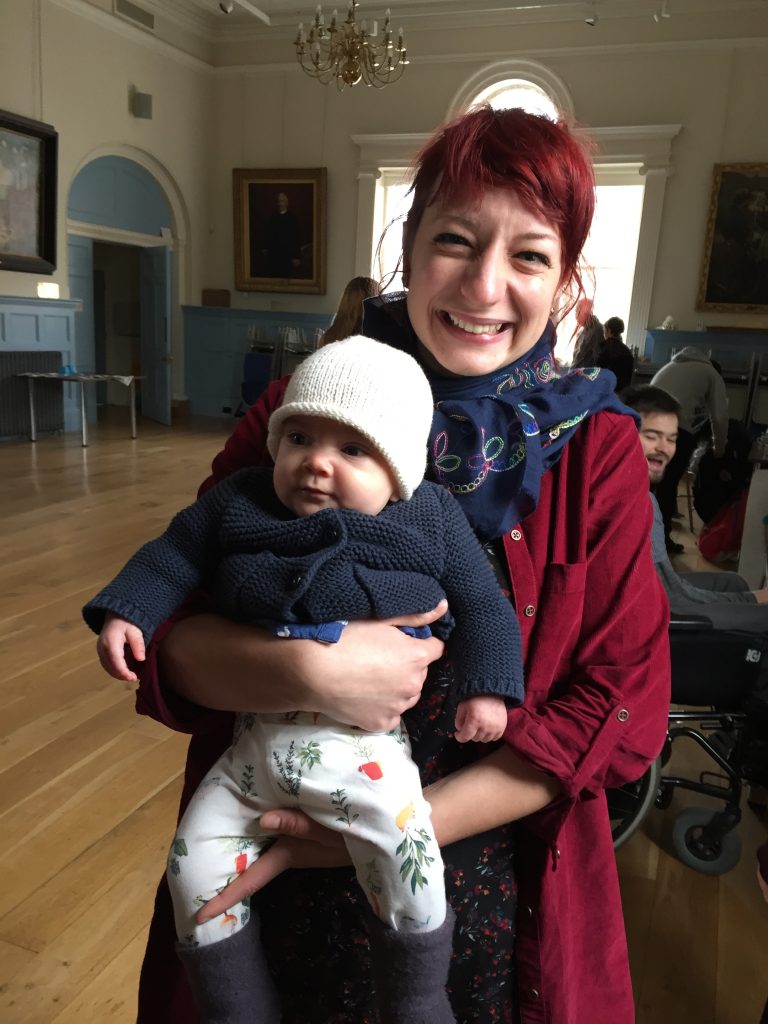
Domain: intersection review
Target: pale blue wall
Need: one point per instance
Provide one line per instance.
(115, 192)
(216, 340)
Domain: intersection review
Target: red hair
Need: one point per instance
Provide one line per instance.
(541, 161)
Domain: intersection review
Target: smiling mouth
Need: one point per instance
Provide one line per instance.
(471, 327)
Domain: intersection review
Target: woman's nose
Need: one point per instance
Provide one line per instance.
(486, 277)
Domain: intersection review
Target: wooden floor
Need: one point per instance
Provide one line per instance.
(88, 790)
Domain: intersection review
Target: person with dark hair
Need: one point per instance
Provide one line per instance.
(549, 472)
(722, 597)
(349, 313)
(608, 351)
(691, 378)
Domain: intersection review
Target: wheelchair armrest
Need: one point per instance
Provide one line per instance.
(689, 623)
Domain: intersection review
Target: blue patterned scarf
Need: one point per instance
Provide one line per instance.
(493, 437)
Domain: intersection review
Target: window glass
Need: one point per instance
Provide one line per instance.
(518, 92)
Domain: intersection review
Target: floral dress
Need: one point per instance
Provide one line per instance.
(311, 920)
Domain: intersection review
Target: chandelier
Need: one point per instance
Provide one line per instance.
(346, 53)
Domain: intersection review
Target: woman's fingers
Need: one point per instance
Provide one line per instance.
(303, 844)
(255, 877)
(375, 672)
(422, 618)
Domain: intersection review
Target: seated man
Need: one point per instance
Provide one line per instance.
(723, 597)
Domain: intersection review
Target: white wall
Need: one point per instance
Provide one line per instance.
(708, 73)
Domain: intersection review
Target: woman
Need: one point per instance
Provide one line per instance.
(349, 314)
(551, 475)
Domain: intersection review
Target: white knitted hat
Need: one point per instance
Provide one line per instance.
(377, 389)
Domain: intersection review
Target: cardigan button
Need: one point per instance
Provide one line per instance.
(516, 535)
(623, 715)
(529, 610)
(296, 580)
(529, 911)
(533, 993)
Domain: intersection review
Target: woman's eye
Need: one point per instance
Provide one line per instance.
(535, 257)
(450, 238)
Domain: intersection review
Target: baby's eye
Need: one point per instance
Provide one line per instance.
(296, 437)
(354, 450)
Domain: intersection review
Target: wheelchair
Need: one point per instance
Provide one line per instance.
(720, 681)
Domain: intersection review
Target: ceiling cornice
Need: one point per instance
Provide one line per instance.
(548, 53)
(128, 31)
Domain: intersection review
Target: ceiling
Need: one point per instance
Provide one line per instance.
(205, 18)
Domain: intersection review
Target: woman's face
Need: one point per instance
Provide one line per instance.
(481, 282)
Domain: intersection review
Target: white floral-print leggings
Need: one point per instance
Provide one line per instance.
(363, 785)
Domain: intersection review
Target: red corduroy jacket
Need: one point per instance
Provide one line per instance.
(594, 623)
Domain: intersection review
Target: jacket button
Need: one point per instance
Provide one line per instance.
(516, 535)
(623, 715)
(297, 580)
(533, 993)
(529, 911)
(529, 610)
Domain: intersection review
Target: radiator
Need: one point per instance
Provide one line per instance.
(14, 395)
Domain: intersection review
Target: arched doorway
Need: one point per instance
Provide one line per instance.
(124, 247)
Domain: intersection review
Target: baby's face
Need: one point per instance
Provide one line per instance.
(324, 464)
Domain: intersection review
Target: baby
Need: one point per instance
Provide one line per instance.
(343, 528)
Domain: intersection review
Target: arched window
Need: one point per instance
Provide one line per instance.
(516, 83)
(518, 92)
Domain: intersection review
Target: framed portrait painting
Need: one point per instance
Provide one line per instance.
(734, 273)
(280, 230)
(28, 153)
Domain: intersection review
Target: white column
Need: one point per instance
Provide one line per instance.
(367, 177)
(647, 245)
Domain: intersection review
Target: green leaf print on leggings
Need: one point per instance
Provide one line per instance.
(344, 808)
(288, 771)
(414, 853)
(311, 754)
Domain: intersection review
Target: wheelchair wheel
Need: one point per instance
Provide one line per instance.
(714, 858)
(629, 804)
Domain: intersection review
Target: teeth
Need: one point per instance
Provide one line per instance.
(475, 328)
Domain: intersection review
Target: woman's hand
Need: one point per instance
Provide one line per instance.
(373, 674)
(304, 844)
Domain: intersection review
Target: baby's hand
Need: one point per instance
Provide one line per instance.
(110, 646)
(482, 719)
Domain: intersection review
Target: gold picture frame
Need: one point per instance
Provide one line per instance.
(280, 230)
(734, 271)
